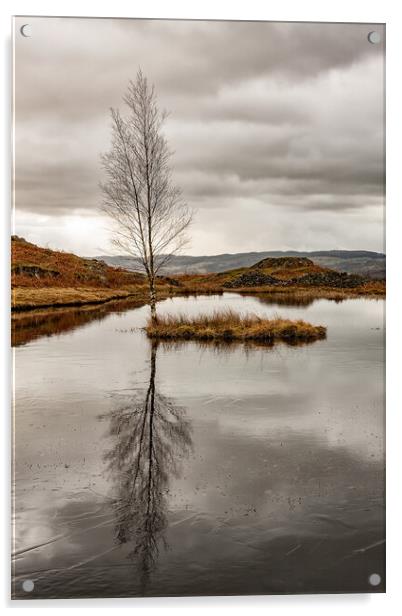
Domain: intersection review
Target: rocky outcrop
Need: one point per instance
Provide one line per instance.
(284, 263)
(257, 277)
(172, 281)
(35, 271)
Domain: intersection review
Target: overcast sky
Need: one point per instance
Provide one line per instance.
(277, 129)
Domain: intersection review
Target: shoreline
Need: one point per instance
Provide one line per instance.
(58, 297)
(27, 298)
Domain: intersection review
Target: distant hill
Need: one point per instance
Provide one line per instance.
(363, 262)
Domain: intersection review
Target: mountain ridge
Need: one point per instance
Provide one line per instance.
(363, 262)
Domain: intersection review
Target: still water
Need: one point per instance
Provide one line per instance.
(195, 470)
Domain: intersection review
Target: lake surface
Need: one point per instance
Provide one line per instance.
(195, 470)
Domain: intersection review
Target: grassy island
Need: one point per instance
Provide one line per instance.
(228, 326)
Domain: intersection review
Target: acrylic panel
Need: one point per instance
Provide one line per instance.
(198, 300)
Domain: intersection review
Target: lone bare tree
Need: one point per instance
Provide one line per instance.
(150, 217)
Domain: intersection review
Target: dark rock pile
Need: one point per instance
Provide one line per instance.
(331, 279)
(340, 280)
(253, 278)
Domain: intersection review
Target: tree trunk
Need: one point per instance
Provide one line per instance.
(152, 301)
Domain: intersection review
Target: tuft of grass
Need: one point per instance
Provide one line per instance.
(228, 325)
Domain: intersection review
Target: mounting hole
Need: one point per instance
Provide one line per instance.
(374, 37)
(25, 31)
(28, 585)
(374, 579)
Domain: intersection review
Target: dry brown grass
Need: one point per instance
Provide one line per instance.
(24, 298)
(228, 325)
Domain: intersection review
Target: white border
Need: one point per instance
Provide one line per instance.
(293, 10)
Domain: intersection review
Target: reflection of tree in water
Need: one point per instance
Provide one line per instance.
(151, 435)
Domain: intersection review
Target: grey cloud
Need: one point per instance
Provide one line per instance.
(79, 66)
(48, 188)
(283, 116)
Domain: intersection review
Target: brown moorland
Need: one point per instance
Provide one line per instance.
(34, 267)
(41, 277)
